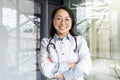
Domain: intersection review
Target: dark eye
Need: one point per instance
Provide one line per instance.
(58, 18)
(67, 19)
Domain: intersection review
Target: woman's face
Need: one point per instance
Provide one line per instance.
(62, 22)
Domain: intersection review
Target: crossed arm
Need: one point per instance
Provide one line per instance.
(70, 65)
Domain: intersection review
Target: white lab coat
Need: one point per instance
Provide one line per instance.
(63, 53)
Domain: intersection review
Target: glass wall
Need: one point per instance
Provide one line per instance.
(19, 34)
(99, 22)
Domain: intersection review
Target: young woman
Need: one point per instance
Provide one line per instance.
(64, 56)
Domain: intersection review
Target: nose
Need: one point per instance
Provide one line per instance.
(63, 21)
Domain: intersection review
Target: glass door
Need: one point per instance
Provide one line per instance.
(19, 39)
(99, 22)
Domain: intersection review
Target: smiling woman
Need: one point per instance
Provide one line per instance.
(66, 18)
(66, 54)
(62, 22)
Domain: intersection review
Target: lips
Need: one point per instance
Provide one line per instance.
(62, 27)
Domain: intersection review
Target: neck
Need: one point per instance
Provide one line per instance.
(62, 35)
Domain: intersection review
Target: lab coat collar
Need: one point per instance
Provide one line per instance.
(56, 37)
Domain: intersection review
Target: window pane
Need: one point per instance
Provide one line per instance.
(19, 39)
(99, 22)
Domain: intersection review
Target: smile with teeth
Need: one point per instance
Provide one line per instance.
(62, 27)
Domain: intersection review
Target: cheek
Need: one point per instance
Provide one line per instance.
(55, 24)
(70, 25)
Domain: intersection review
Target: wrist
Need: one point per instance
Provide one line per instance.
(59, 76)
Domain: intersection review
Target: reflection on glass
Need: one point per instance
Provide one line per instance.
(18, 38)
(98, 22)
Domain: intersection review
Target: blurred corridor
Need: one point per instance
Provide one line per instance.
(104, 69)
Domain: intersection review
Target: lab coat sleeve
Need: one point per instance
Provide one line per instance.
(47, 68)
(83, 67)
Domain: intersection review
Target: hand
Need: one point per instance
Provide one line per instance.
(48, 58)
(60, 76)
(71, 64)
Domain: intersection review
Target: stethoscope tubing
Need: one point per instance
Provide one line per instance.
(50, 43)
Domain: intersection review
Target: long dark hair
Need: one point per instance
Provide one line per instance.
(53, 30)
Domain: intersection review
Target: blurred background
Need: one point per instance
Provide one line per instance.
(23, 23)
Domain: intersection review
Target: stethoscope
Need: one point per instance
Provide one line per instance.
(50, 43)
(53, 45)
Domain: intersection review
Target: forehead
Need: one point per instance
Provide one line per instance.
(62, 12)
